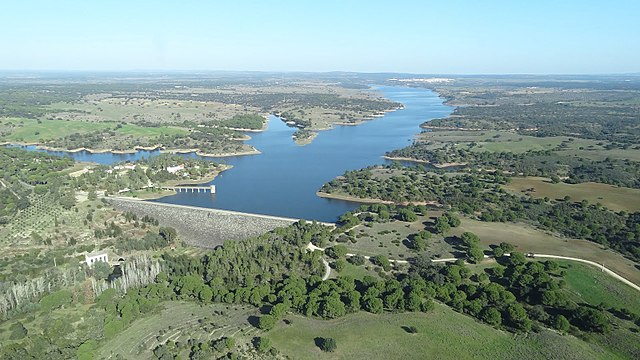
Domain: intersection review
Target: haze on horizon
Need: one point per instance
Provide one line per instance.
(466, 37)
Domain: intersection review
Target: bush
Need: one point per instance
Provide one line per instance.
(327, 344)
(411, 329)
(266, 322)
(262, 344)
(357, 260)
(18, 331)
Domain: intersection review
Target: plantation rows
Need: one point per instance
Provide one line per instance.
(38, 217)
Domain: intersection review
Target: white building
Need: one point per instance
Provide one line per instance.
(175, 169)
(91, 259)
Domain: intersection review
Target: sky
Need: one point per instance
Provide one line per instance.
(428, 37)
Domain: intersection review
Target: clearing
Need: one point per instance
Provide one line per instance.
(442, 334)
(613, 197)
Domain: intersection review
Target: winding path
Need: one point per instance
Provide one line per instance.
(600, 266)
(545, 256)
(311, 247)
(327, 268)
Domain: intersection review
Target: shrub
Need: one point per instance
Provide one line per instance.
(327, 344)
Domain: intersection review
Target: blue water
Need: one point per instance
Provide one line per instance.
(283, 180)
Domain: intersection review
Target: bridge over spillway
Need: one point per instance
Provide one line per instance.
(194, 189)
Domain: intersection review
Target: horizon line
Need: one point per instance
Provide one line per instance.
(168, 71)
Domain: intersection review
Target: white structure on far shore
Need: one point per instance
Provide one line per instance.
(175, 169)
(91, 259)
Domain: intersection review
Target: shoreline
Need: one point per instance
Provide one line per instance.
(333, 125)
(439, 166)
(155, 195)
(253, 151)
(374, 201)
(306, 140)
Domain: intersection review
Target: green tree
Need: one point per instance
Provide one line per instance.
(561, 323)
(205, 294)
(18, 331)
(357, 260)
(406, 214)
(469, 238)
(262, 344)
(339, 265)
(101, 270)
(327, 344)
(491, 316)
(332, 308)
(336, 252)
(374, 305)
(475, 254)
(381, 261)
(442, 224)
(590, 319)
(266, 322)
(169, 234)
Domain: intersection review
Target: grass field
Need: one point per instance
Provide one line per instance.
(442, 334)
(356, 272)
(134, 110)
(180, 321)
(591, 285)
(529, 239)
(29, 130)
(614, 197)
(149, 132)
(497, 141)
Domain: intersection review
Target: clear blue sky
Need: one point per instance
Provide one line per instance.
(463, 37)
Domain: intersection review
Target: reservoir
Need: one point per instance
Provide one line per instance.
(284, 179)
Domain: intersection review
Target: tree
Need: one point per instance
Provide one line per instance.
(469, 238)
(336, 252)
(381, 261)
(491, 316)
(406, 214)
(205, 294)
(262, 344)
(92, 195)
(357, 260)
(101, 270)
(327, 344)
(339, 265)
(561, 323)
(555, 179)
(506, 247)
(373, 305)
(168, 233)
(419, 240)
(18, 331)
(454, 220)
(332, 308)
(592, 319)
(266, 322)
(442, 224)
(475, 254)
(518, 317)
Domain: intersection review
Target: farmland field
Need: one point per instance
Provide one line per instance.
(180, 321)
(442, 334)
(614, 197)
(528, 239)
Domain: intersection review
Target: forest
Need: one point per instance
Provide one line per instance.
(529, 163)
(274, 273)
(480, 196)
